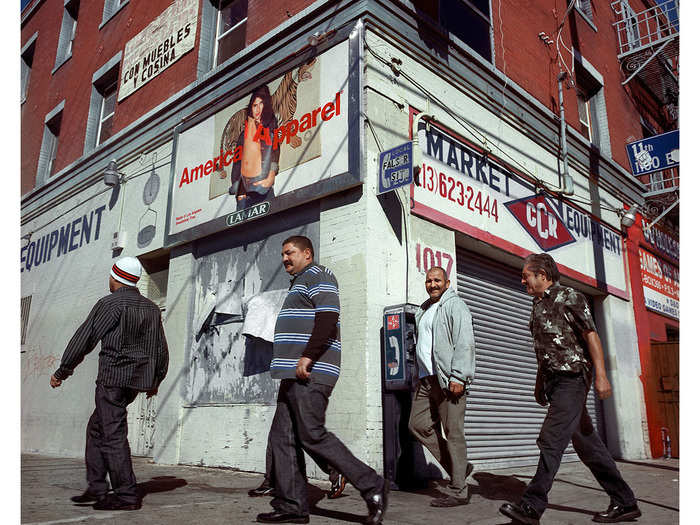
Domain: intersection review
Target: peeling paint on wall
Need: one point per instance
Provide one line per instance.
(239, 288)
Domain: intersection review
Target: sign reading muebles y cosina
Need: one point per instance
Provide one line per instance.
(158, 46)
(279, 144)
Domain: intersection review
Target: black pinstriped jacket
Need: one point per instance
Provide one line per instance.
(134, 350)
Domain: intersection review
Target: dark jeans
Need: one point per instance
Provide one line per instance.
(568, 420)
(106, 445)
(252, 198)
(298, 426)
(269, 466)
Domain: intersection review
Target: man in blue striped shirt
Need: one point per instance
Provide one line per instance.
(306, 357)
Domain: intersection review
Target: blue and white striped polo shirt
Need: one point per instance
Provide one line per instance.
(314, 289)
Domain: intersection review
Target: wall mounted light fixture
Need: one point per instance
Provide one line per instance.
(111, 175)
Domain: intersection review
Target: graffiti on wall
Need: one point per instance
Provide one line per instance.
(37, 364)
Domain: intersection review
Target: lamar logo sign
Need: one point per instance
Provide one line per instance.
(541, 221)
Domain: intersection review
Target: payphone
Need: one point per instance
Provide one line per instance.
(399, 375)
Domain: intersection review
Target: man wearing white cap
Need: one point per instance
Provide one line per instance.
(133, 359)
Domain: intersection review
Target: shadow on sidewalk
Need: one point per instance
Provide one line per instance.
(315, 495)
(159, 484)
(495, 487)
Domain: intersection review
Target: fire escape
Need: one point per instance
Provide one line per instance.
(648, 45)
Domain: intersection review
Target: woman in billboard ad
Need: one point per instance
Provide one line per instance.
(253, 178)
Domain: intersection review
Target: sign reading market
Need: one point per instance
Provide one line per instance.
(274, 148)
(467, 191)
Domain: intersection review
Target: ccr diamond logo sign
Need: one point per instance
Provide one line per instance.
(541, 222)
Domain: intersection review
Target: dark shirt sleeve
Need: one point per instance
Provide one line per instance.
(163, 357)
(325, 325)
(101, 320)
(323, 292)
(578, 313)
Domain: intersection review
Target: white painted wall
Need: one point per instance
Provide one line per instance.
(64, 289)
(625, 411)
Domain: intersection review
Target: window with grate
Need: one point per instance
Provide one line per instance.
(49, 145)
(585, 7)
(67, 34)
(25, 305)
(27, 59)
(111, 8)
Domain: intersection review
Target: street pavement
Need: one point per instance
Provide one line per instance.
(177, 494)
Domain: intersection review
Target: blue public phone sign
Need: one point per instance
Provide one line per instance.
(395, 168)
(655, 153)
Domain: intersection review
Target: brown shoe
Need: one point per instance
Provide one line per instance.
(337, 487)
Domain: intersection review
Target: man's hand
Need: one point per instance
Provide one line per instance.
(602, 387)
(456, 388)
(267, 181)
(304, 368)
(55, 382)
(151, 393)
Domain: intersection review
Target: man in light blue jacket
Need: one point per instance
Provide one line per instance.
(445, 355)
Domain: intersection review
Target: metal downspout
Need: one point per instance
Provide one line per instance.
(568, 186)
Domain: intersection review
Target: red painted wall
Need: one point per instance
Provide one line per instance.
(650, 327)
(533, 65)
(92, 48)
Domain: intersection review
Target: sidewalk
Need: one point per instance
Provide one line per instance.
(182, 494)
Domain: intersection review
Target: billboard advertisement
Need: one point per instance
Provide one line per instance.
(281, 143)
(462, 188)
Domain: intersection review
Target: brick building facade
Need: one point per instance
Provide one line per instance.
(478, 82)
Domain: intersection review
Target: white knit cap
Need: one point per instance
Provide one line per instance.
(126, 270)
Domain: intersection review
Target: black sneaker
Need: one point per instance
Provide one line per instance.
(277, 516)
(114, 503)
(263, 490)
(617, 513)
(520, 513)
(87, 497)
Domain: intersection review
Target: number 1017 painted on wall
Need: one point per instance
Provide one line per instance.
(426, 258)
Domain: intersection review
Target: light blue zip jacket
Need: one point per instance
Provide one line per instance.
(453, 339)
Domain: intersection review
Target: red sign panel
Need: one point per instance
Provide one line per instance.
(540, 220)
(392, 322)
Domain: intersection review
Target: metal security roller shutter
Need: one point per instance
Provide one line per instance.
(502, 420)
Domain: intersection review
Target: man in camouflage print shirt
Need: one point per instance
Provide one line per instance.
(568, 352)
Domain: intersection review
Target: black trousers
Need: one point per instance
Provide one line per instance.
(298, 426)
(568, 421)
(269, 466)
(106, 445)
